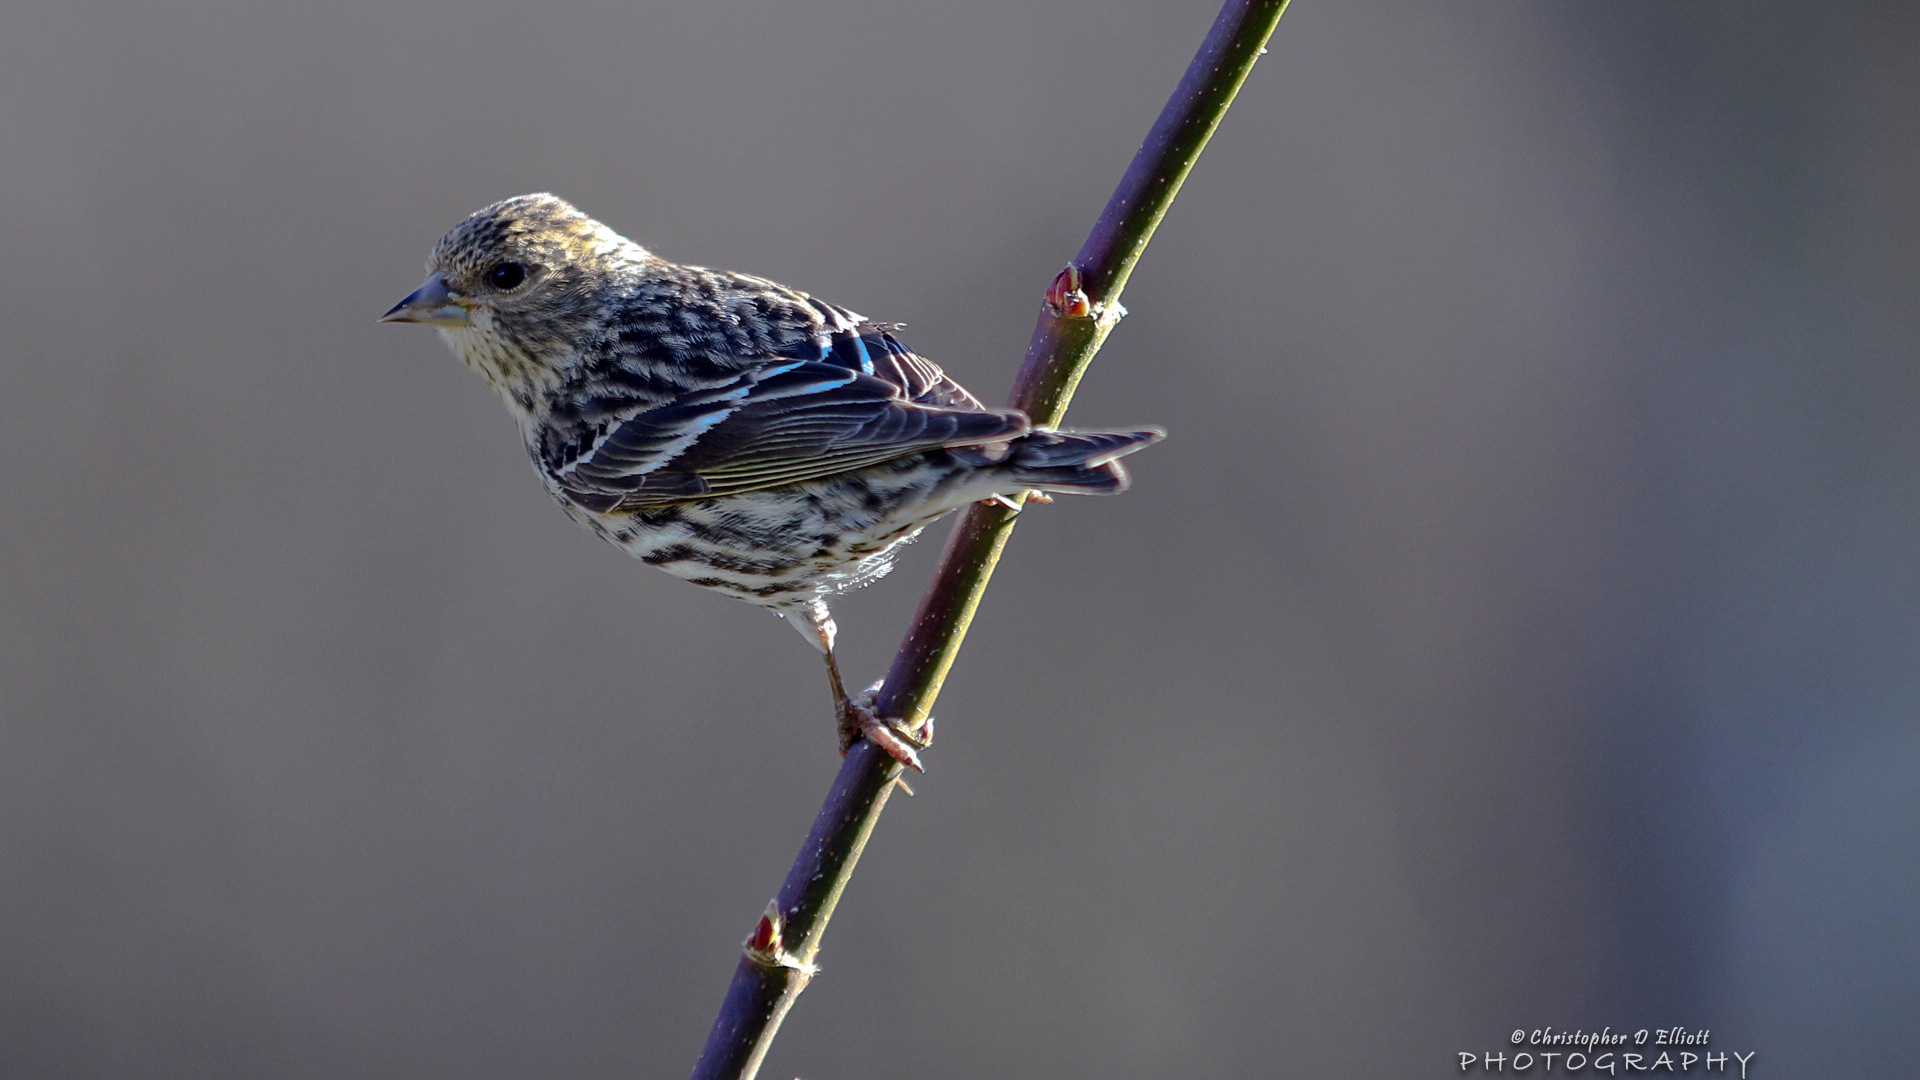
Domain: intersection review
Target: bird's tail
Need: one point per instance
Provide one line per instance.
(1075, 462)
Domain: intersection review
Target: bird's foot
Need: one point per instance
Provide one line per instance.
(900, 740)
(1034, 496)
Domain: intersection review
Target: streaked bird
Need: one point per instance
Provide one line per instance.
(729, 430)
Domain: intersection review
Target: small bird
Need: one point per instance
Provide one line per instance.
(729, 430)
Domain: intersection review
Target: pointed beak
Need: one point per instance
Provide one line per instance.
(432, 304)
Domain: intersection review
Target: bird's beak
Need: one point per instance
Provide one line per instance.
(432, 304)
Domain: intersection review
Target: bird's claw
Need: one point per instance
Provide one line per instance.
(1034, 496)
(901, 742)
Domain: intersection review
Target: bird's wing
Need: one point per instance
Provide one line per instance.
(857, 399)
(872, 348)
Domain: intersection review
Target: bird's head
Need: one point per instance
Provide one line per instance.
(513, 286)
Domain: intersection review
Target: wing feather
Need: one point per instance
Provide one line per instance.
(856, 398)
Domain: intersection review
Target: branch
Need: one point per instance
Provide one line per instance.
(1081, 310)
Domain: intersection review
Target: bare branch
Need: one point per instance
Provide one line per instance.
(1080, 309)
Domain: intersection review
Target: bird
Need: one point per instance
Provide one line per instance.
(731, 431)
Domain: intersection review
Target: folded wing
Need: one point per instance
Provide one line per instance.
(853, 398)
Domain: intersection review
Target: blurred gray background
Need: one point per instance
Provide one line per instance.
(1521, 627)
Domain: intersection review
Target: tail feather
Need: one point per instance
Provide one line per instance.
(1075, 462)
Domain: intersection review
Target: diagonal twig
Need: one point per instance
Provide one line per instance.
(1082, 308)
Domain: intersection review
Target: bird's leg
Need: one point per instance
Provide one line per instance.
(855, 713)
(859, 721)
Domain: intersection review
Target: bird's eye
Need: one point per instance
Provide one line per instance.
(506, 275)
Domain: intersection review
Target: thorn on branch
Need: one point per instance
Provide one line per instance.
(1065, 298)
(766, 945)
